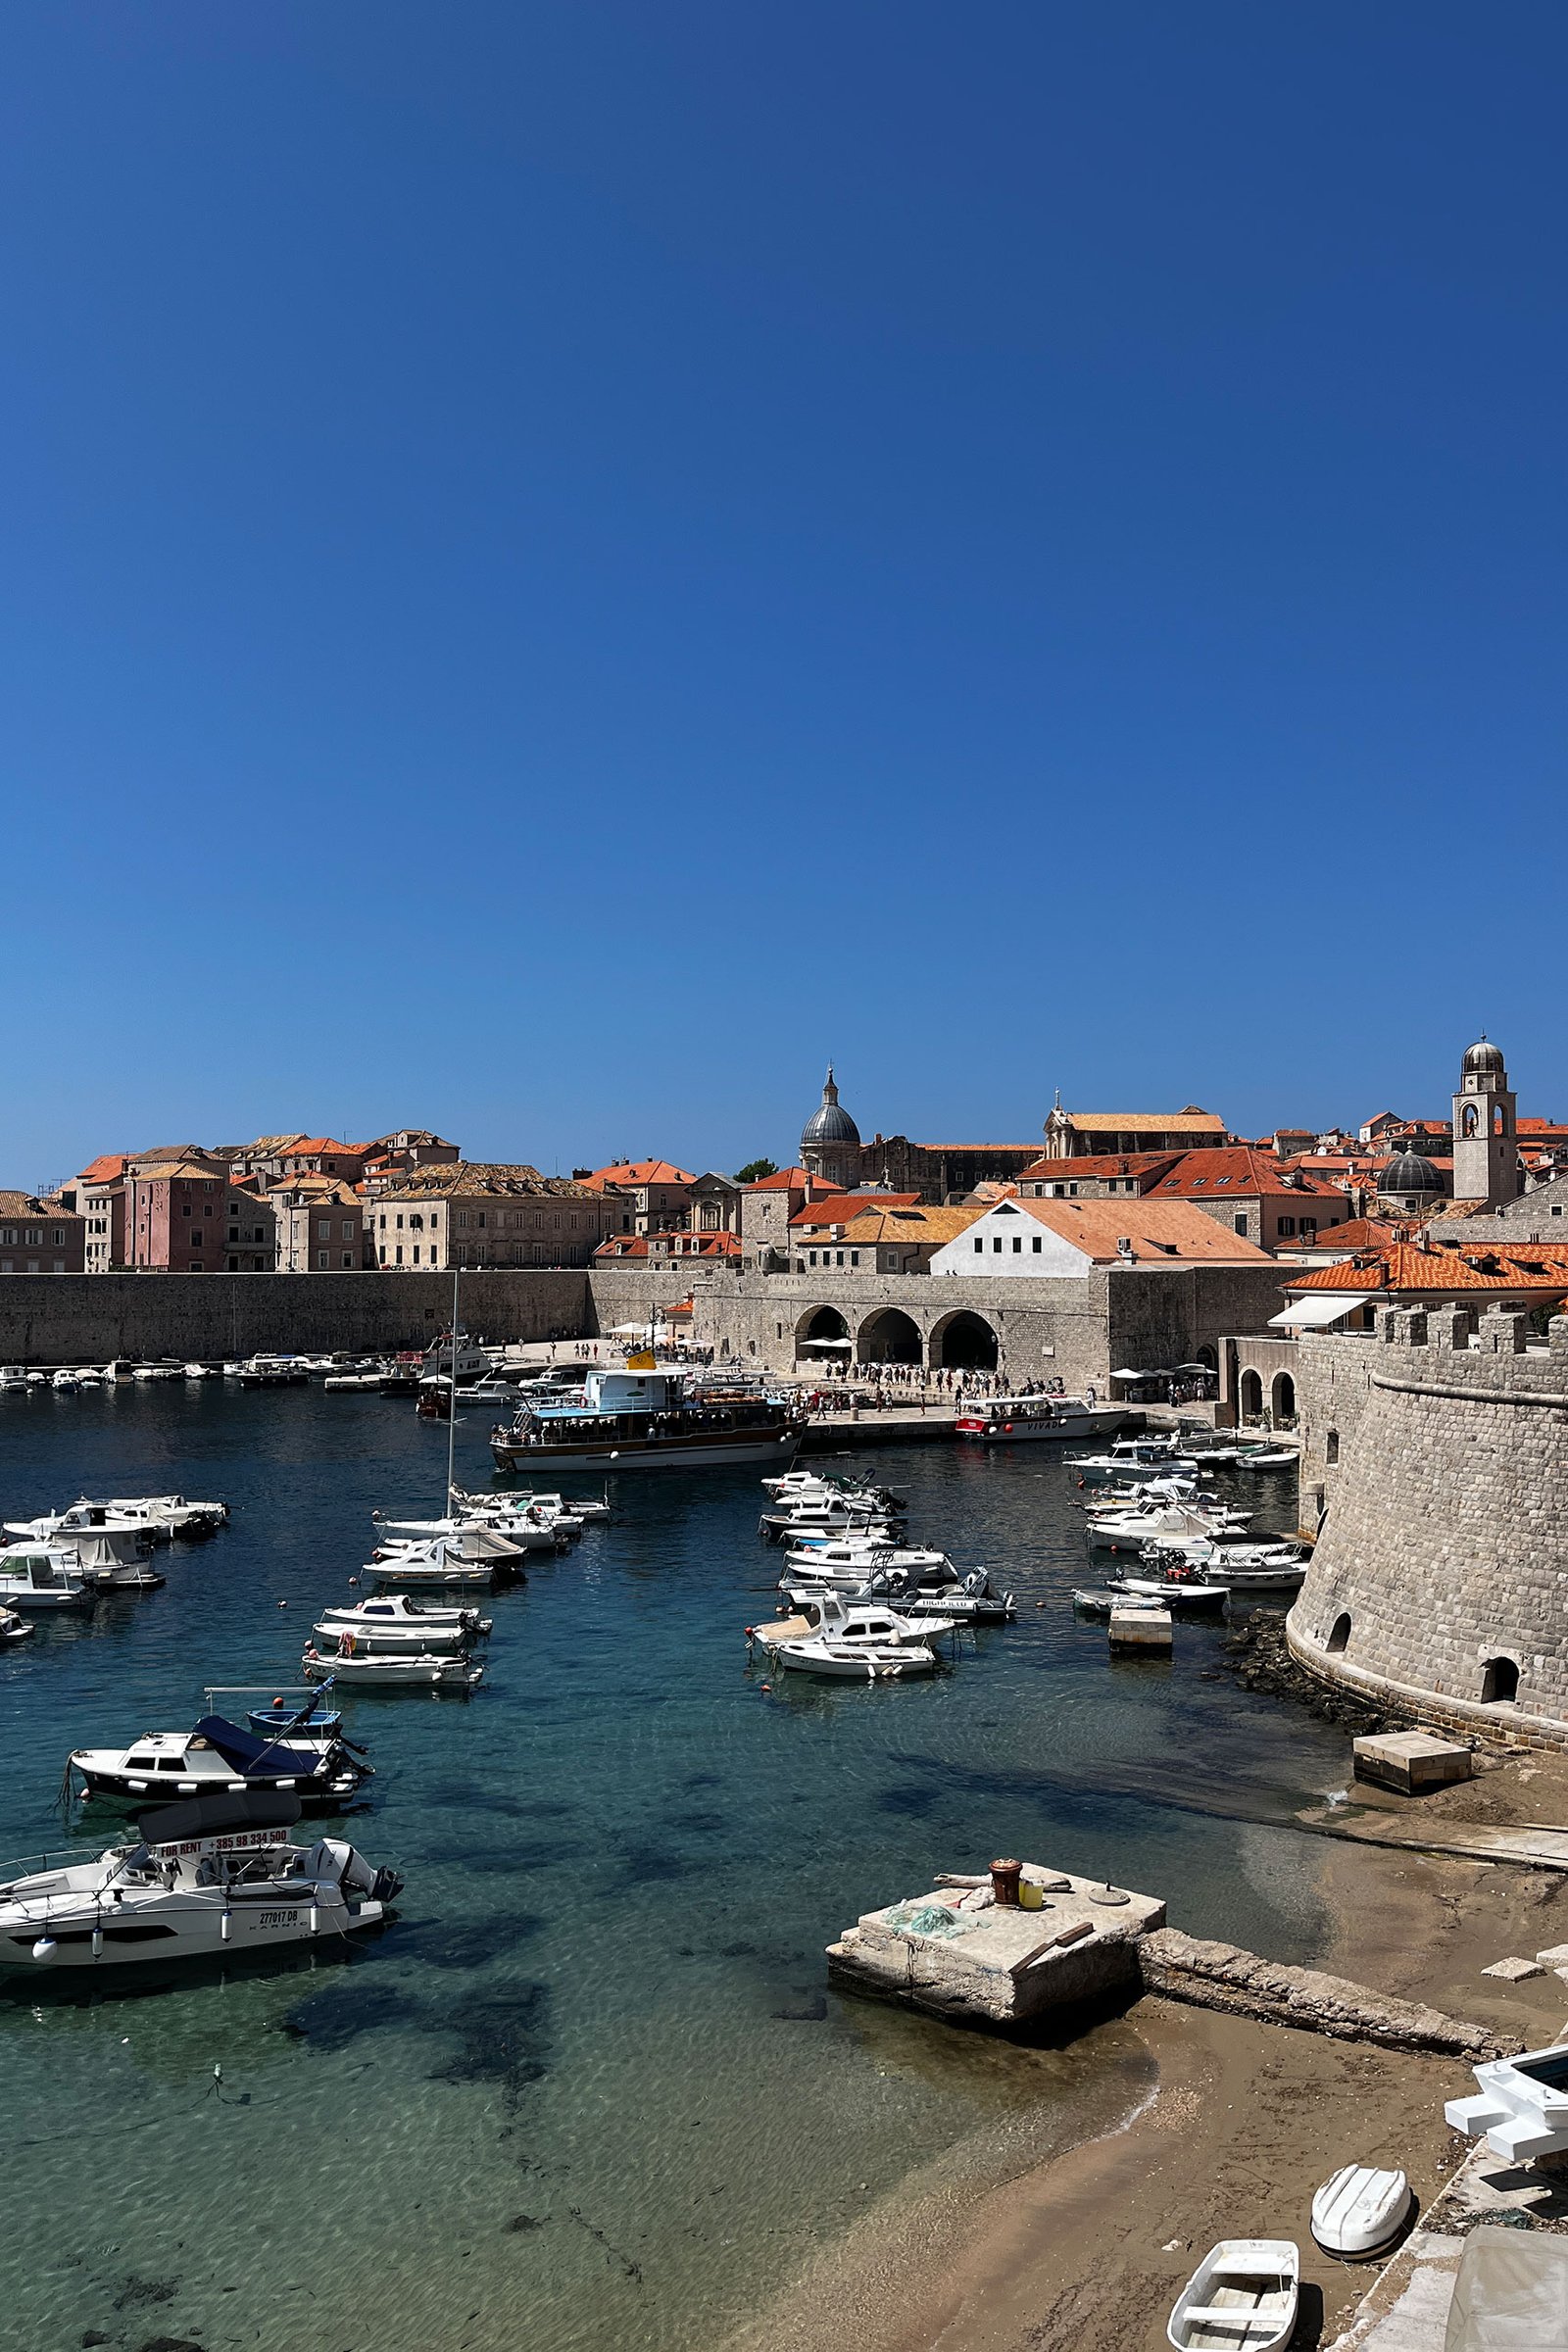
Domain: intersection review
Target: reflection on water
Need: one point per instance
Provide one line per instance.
(590, 2086)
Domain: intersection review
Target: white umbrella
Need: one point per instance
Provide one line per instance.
(1124, 1374)
(829, 1343)
(621, 1331)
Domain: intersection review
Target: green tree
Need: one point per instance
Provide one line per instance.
(755, 1170)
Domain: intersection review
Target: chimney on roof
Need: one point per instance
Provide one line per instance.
(1124, 1245)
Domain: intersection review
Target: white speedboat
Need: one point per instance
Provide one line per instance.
(167, 1370)
(12, 1627)
(422, 1671)
(215, 1877)
(370, 1640)
(34, 1577)
(1238, 1566)
(65, 1379)
(220, 1758)
(201, 1372)
(834, 1660)
(172, 1512)
(409, 1616)
(463, 1540)
(434, 1568)
(1242, 2297)
(866, 1622)
(1176, 1523)
(1359, 2211)
(850, 1563)
(1136, 1458)
(973, 1598)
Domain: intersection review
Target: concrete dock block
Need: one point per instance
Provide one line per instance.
(1140, 1628)
(1411, 1761)
(1556, 1955)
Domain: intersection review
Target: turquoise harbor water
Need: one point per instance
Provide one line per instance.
(589, 2086)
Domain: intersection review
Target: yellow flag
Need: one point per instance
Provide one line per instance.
(646, 1361)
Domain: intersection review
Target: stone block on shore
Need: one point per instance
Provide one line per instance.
(1220, 1975)
(1000, 1965)
(1514, 1971)
(1411, 1761)
(1141, 1629)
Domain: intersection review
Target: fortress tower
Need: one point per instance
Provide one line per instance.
(1486, 1148)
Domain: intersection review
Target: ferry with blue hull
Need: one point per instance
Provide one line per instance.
(646, 1419)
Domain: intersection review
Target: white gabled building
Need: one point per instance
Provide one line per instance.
(1072, 1238)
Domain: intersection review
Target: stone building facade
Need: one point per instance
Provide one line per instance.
(1441, 1450)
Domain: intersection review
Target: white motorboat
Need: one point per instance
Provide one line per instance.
(216, 1877)
(435, 1568)
(1268, 1458)
(1359, 2211)
(201, 1372)
(848, 1565)
(220, 1758)
(1136, 1458)
(1101, 1602)
(167, 1370)
(463, 1538)
(973, 1598)
(1174, 1525)
(1522, 2107)
(12, 1627)
(1242, 2297)
(172, 1511)
(1241, 1567)
(13, 1377)
(422, 1671)
(115, 1556)
(1175, 1590)
(65, 1379)
(397, 1609)
(862, 1621)
(368, 1639)
(835, 1660)
(506, 1512)
(34, 1577)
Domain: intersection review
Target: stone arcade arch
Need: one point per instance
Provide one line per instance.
(887, 1337)
(1249, 1397)
(819, 1323)
(1282, 1401)
(964, 1339)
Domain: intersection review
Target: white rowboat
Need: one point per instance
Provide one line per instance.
(1242, 2297)
(1359, 2212)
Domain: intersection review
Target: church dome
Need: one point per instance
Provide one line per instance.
(830, 1123)
(1409, 1173)
(1483, 1056)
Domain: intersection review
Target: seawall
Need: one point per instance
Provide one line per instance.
(1441, 1577)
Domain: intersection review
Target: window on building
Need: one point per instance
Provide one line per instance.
(323, 1229)
(400, 1254)
(979, 1248)
(1017, 1245)
(1035, 1245)
(322, 1259)
(995, 1246)
(415, 1253)
(1331, 1446)
(348, 1257)
(58, 1236)
(1240, 1224)
(60, 1265)
(1287, 1225)
(399, 1227)
(478, 1218)
(381, 1254)
(855, 1257)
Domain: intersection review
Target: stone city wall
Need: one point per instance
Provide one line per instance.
(89, 1318)
(1441, 1577)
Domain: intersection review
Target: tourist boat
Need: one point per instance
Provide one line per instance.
(645, 1419)
(1017, 1420)
(397, 1609)
(220, 1758)
(12, 1627)
(835, 1660)
(216, 1877)
(422, 1671)
(38, 1577)
(1359, 2211)
(1242, 2297)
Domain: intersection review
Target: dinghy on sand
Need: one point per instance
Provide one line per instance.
(1359, 2212)
(1242, 2297)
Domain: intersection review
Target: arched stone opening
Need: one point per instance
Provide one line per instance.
(1249, 1397)
(1500, 1682)
(1338, 1634)
(1208, 1356)
(1467, 1119)
(1282, 1401)
(966, 1339)
(889, 1336)
(821, 1332)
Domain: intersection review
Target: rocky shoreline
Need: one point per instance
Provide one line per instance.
(1257, 1656)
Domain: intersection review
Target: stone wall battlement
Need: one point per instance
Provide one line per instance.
(1441, 1576)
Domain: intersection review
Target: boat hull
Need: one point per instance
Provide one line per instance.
(261, 1926)
(1090, 1421)
(705, 1450)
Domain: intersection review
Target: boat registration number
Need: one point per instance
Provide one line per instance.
(279, 1919)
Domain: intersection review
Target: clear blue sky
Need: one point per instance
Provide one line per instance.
(564, 564)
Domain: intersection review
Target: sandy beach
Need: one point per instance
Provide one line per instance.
(1090, 2249)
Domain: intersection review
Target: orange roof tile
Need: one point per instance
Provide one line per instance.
(1404, 1266)
(640, 1171)
(836, 1209)
(108, 1169)
(1237, 1168)
(1158, 1232)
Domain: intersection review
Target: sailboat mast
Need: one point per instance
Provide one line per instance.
(451, 1395)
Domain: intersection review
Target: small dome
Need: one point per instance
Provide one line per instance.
(1483, 1056)
(831, 1123)
(1409, 1173)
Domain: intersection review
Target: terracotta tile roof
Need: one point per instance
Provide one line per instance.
(912, 1226)
(160, 1171)
(108, 1169)
(791, 1180)
(1161, 1233)
(28, 1204)
(623, 1245)
(1237, 1169)
(1191, 1121)
(1356, 1233)
(640, 1171)
(1096, 1164)
(836, 1209)
(465, 1177)
(1403, 1266)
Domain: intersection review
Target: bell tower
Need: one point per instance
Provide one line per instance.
(1486, 1147)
